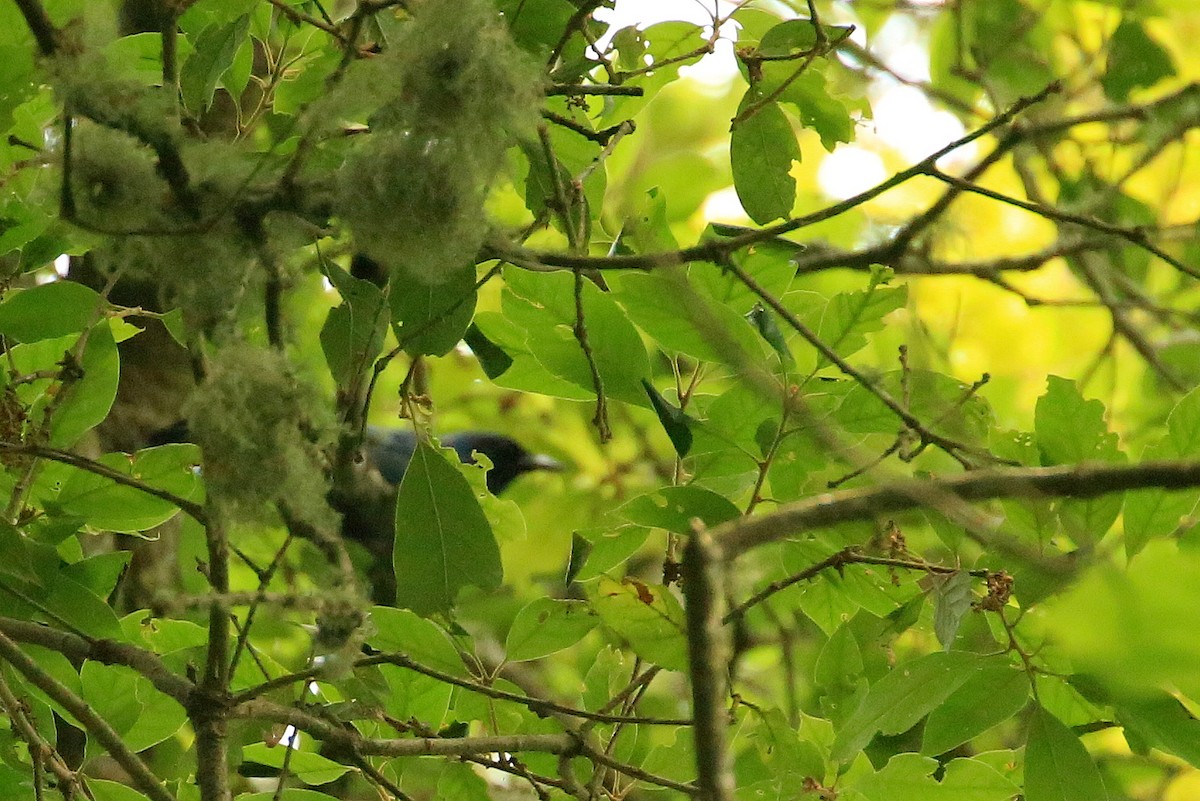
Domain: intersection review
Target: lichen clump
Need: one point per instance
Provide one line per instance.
(413, 192)
(113, 179)
(252, 418)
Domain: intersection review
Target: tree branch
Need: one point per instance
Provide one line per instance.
(108, 652)
(407, 746)
(39, 23)
(190, 508)
(708, 656)
(1074, 481)
(143, 778)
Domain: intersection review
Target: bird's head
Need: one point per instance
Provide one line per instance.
(509, 459)
(391, 449)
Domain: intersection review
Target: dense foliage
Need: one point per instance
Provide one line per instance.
(878, 488)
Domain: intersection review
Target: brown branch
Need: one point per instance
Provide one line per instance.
(140, 774)
(538, 706)
(573, 89)
(300, 18)
(407, 746)
(718, 251)
(847, 556)
(48, 37)
(40, 751)
(108, 652)
(208, 711)
(1086, 480)
(955, 449)
(1135, 236)
(708, 657)
(600, 419)
(601, 137)
(190, 508)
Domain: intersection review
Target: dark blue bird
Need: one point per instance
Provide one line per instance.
(368, 513)
(390, 449)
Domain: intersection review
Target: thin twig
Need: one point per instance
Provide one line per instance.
(190, 508)
(600, 419)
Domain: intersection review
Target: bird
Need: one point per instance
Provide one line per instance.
(367, 500)
(390, 450)
(369, 509)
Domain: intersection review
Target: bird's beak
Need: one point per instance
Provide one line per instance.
(540, 461)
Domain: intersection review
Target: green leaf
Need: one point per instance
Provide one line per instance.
(597, 551)
(59, 601)
(646, 617)
(819, 110)
(99, 573)
(287, 794)
(1135, 61)
(1069, 428)
(112, 692)
(526, 372)
(542, 306)
(130, 704)
(49, 311)
(216, 47)
(771, 264)
(1009, 41)
(89, 398)
(952, 599)
(1057, 766)
(409, 695)
(105, 504)
(1162, 722)
(105, 790)
(546, 626)
(735, 418)
(16, 562)
(840, 661)
(492, 358)
(782, 749)
(683, 320)
(670, 45)
(1183, 425)
(1130, 628)
(138, 57)
(993, 695)
(673, 420)
(764, 322)
(542, 186)
(674, 508)
(762, 148)
(458, 782)
(901, 698)
(931, 397)
(353, 333)
(431, 320)
(402, 631)
(1152, 513)
(237, 77)
(17, 78)
(308, 767)
(910, 777)
(443, 540)
(163, 635)
(807, 93)
(850, 316)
